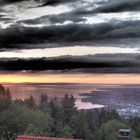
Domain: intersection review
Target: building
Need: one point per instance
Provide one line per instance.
(40, 138)
(124, 134)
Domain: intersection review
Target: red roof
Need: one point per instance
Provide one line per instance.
(40, 138)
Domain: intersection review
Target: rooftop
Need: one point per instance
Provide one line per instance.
(124, 130)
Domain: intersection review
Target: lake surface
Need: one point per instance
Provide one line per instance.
(23, 91)
(123, 98)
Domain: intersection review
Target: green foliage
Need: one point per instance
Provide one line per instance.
(33, 131)
(43, 104)
(16, 119)
(69, 109)
(59, 118)
(80, 126)
(109, 130)
(5, 98)
(57, 129)
(67, 132)
(56, 110)
(30, 102)
(134, 122)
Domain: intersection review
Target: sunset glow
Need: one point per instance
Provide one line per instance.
(71, 78)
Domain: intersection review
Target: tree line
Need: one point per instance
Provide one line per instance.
(59, 118)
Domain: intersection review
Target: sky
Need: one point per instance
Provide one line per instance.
(67, 37)
(70, 78)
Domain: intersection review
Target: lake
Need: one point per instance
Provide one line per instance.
(123, 98)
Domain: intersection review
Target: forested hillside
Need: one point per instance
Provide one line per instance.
(59, 118)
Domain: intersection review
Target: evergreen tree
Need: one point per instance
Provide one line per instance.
(5, 98)
(69, 109)
(43, 104)
(67, 132)
(58, 127)
(30, 102)
(56, 113)
(109, 130)
(31, 130)
(81, 128)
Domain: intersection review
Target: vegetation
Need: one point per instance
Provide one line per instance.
(59, 118)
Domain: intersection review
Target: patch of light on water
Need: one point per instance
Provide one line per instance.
(86, 105)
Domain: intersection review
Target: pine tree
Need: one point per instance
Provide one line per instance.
(43, 104)
(69, 109)
(30, 102)
(67, 132)
(5, 98)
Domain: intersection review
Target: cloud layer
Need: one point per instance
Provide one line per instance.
(108, 63)
(16, 35)
(98, 22)
(71, 26)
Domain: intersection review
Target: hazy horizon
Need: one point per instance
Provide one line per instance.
(83, 78)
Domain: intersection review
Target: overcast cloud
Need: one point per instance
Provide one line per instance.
(42, 24)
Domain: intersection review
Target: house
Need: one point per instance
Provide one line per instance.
(124, 134)
(40, 138)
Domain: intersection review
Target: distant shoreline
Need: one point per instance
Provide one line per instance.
(35, 83)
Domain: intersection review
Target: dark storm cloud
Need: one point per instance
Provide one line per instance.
(15, 35)
(44, 2)
(111, 6)
(78, 32)
(2, 16)
(54, 19)
(97, 63)
(54, 2)
(121, 5)
(9, 1)
(104, 6)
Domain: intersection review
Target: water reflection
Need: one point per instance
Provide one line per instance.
(85, 105)
(24, 91)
